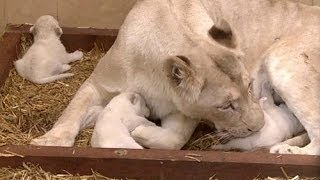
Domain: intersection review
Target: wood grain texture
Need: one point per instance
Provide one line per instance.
(28, 11)
(93, 13)
(74, 13)
(8, 53)
(2, 16)
(162, 164)
(308, 2)
(316, 2)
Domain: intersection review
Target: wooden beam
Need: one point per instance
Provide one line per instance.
(161, 164)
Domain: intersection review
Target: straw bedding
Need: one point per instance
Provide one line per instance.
(30, 171)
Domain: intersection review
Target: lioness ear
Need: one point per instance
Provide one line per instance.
(183, 77)
(221, 32)
(58, 31)
(33, 30)
(179, 70)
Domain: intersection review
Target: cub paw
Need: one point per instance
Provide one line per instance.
(77, 55)
(140, 134)
(287, 149)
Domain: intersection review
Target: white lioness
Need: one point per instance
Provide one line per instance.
(47, 59)
(280, 125)
(205, 76)
(118, 119)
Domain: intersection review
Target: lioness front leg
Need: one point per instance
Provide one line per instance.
(175, 131)
(297, 81)
(73, 118)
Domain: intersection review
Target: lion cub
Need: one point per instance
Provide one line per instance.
(280, 125)
(47, 59)
(118, 119)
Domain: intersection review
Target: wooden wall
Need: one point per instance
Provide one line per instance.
(70, 13)
(73, 13)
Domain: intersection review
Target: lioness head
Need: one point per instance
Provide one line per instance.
(46, 25)
(213, 85)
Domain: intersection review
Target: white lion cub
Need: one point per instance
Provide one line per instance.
(47, 59)
(118, 119)
(280, 124)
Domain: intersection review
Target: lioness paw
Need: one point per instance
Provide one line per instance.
(47, 140)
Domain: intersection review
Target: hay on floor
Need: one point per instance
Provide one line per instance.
(30, 171)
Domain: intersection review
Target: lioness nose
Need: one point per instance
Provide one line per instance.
(257, 125)
(256, 122)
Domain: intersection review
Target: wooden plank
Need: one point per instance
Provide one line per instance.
(2, 16)
(93, 13)
(8, 53)
(75, 38)
(316, 2)
(28, 11)
(74, 42)
(162, 164)
(307, 2)
(24, 28)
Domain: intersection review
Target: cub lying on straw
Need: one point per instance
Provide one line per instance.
(47, 59)
(280, 125)
(118, 119)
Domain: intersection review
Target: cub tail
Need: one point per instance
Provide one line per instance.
(53, 78)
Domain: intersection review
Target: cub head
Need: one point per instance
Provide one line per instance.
(213, 85)
(45, 26)
(133, 101)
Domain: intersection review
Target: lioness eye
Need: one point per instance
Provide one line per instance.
(228, 106)
(250, 88)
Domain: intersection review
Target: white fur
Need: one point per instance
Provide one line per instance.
(47, 59)
(121, 116)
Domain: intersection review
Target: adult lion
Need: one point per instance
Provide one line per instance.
(184, 57)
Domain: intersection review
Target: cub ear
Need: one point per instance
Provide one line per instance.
(33, 30)
(58, 31)
(183, 77)
(134, 99)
